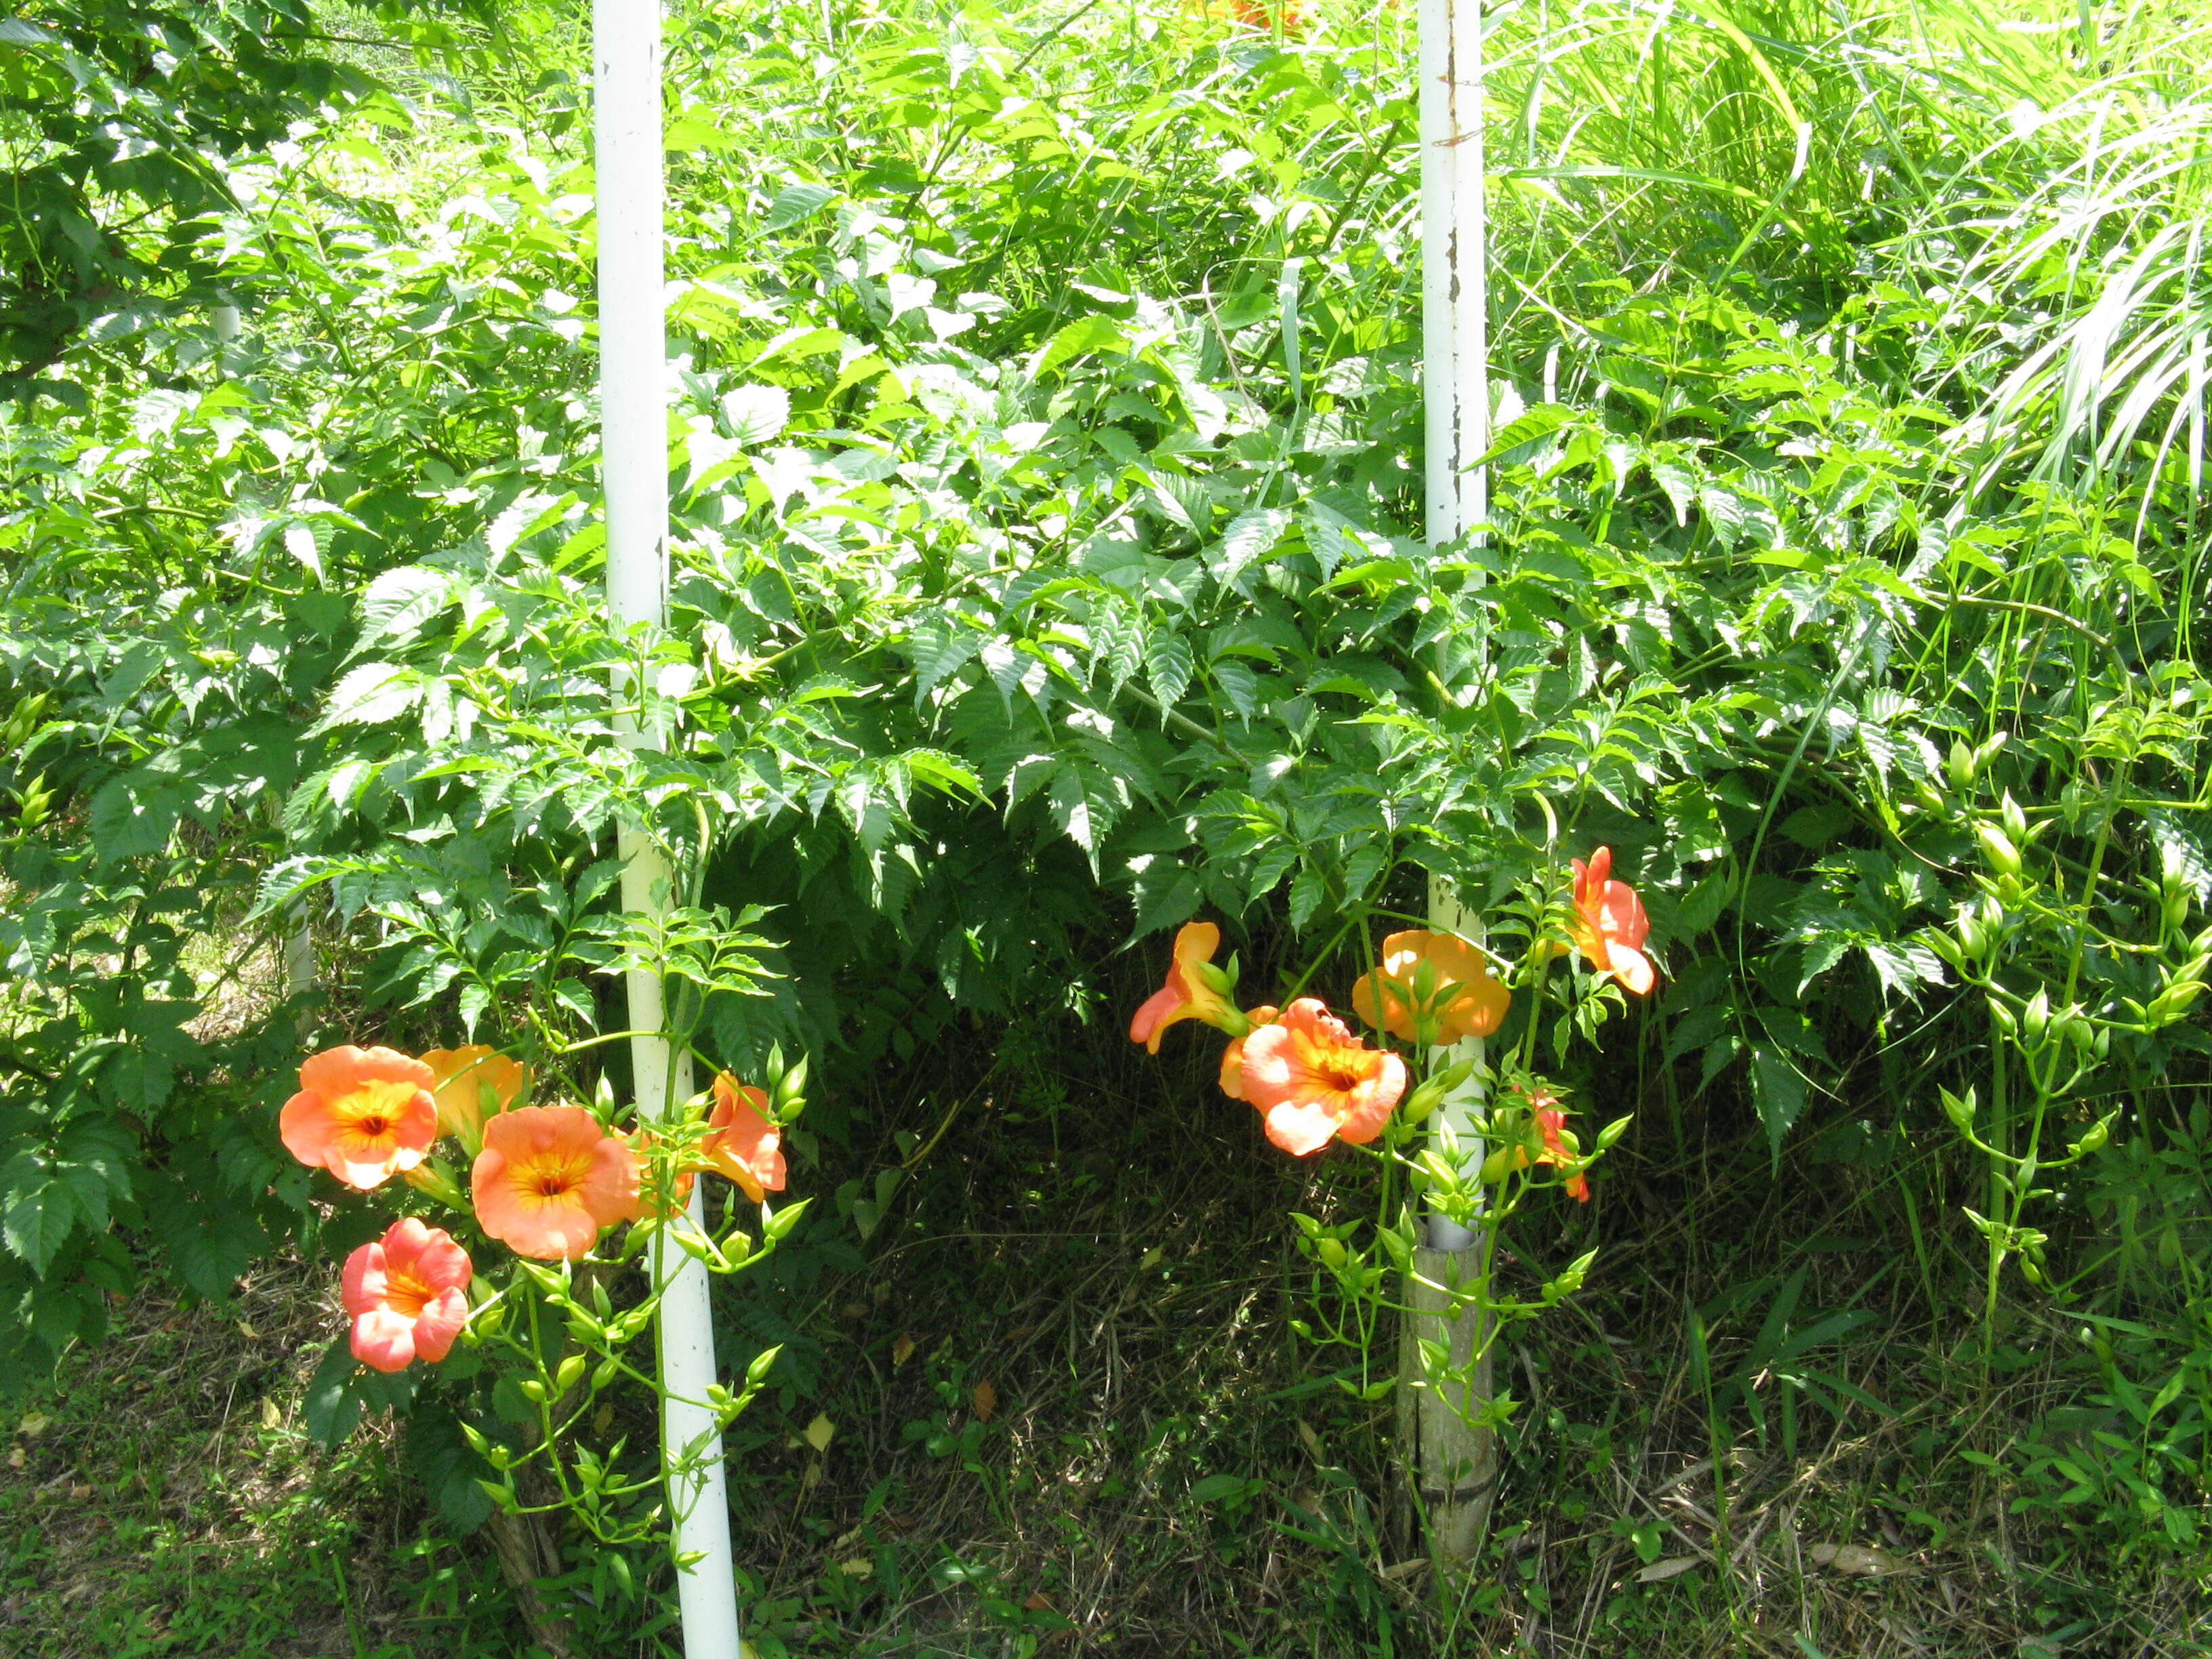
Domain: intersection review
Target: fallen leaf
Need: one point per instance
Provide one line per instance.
(902, 1349)
(1405, 1569)
(818, 1432)
(985, 1399)
(15, 1459)
(248, 1332)
(1673, 1567)
(854, 1310)
(1875, 1563)
(33, 1425)
(1038, 1603)
(859, 1567)
(1306, 1434)
(272, 1415)
(603, 1419)
(1150, 1259)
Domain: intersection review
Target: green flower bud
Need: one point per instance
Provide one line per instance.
(1960, 1111)
(2003, 854)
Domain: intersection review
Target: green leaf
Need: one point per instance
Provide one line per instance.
(398, 602)
(37, 1220)
(330, 1408)
(1169, 666)
(1096, 332)
(1214, 1488)
(794, 203)
(1778, 1089)
(373, 694)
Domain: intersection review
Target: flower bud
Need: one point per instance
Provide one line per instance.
(2015, 820)
(1959, 766)
(1331, 1252)
(2093, 1138)
(1998, 847)
(2001, 1017)
(1960, 1111)
(2035, 1018)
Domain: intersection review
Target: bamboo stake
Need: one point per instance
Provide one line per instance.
(1453, 1462)
(634, 424)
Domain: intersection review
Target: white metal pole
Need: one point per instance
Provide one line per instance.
(634, 454)
(1454, 1465)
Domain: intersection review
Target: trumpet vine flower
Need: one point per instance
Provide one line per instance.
(1195, 989)
(743, 1145)
(363, 1114)
(1312, 1080)
(548, 1178)
(1437, 978)
(460, 1078)
(1609, 925)
(406, 1293)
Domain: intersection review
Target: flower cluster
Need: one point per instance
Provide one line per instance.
(544, 1181)
(1313, 1080)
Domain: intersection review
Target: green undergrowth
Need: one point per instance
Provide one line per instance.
(1050, 1401)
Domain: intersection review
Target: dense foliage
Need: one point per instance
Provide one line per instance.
(1047, 571)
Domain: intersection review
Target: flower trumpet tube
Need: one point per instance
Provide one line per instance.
(461, 1078)
(548, 1178)
(1609, 925)
(1195, 989)
(1431, 987)
(1313, 1080)
(741, 1143)
(365, 1114)
(407, 1294)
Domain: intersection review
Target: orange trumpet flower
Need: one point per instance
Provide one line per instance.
(744, 1145)
(548, 1179)
(1313, 1080)
(1463, 1000)
(1609, 926)
(362, 1114)
(461, 1075)
(405, 1292)
(1195, 989)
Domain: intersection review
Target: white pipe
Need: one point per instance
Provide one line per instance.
(1454, 328)
(633, 458)
(1456, 374)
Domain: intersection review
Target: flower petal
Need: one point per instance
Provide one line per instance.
(384, 1341)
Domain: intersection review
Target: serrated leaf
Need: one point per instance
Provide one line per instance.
(1169, 666)
(1778, 1089)
(373, 694)
(940, 647)
(398, 602)
(1251, 536)
(37, 1220)
(1679, 484)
